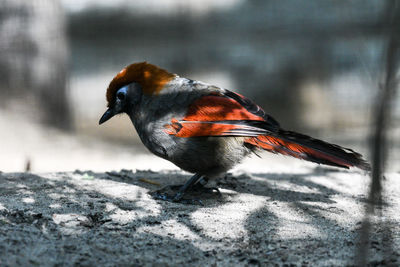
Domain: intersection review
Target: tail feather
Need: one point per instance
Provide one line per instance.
(310, 149)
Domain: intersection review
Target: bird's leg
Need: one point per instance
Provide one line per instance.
(200, 186)
(178, 197)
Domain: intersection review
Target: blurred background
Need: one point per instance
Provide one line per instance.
(314, 65)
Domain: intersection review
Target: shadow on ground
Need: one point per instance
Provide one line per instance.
(91, 218)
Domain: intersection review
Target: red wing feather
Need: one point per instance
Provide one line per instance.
(278, 145)
(194, 129)
(307, 148)
(218, 108)
(214, 115)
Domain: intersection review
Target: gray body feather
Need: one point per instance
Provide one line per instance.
(210, 156)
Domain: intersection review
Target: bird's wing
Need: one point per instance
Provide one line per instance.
(222, 114)
(252, 107)
(230, 114)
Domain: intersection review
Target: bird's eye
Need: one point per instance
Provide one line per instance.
(120, 95)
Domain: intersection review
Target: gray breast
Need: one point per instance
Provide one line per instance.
(210, 156)
(205, 155)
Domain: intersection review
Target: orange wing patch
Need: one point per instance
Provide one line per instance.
(150, 77)
(195, 129)
(218, 108)
(213, 116)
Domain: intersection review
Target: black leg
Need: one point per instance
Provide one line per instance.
(195, 184)
(200, 187)
(178, 196)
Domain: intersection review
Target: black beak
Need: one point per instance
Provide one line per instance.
(107, 115)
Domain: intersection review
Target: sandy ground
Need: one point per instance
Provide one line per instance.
(272, 210)
(307, 216)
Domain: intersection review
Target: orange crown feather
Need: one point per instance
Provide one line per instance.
(151, 78)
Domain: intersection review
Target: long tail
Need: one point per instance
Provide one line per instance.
(310, 149)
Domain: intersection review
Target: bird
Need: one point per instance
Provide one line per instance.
(205, 129)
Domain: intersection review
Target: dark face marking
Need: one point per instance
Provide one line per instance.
(125, 99)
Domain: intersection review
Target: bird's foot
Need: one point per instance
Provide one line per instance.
(177, 198)
(199, 188)
(173, 193)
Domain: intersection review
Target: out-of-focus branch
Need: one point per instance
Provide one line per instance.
(382, 116)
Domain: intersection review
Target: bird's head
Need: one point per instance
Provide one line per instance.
(130, 84)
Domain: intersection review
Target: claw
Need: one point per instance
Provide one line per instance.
(195, 183)
(176, 199)
(178, 196)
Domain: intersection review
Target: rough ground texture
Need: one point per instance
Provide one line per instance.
(105, 219)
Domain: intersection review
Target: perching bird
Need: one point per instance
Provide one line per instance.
(205, 129)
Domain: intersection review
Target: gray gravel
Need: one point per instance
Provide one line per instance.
(306, 218)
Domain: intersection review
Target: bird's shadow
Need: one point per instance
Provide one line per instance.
(310, 203)
(262, 225)
(262, 184)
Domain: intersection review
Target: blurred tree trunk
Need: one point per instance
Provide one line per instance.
(379, 148)
(33, 60)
